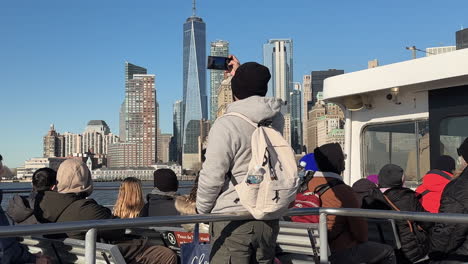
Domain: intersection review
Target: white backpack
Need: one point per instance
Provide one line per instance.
(274, 156)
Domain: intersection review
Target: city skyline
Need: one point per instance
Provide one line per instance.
(72, 55)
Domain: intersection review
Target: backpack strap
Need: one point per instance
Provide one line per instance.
(398, 209)
(243, 117)
(443, 174)
(419, 196)
(321, 189)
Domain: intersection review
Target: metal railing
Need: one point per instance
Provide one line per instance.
(93, 225)
(101, 188)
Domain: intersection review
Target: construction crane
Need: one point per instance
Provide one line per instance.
(414, 49)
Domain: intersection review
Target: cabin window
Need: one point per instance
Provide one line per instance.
(453, 130)
(405, 144)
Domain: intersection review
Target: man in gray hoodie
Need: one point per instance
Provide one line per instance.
(228, 155)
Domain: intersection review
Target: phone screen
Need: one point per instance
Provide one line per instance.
(217, 63)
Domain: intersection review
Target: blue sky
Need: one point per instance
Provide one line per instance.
(62, 61)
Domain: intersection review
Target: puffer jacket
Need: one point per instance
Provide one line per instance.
(406, 199)
(159, 205)
(229, 149)
(449, 242)
(431, 189)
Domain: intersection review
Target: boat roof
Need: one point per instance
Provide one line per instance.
(432, 71)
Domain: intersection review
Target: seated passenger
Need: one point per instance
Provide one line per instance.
(414, 241)
(365, 191)
(347, 236)
(21, 208)
(449, 241)
(130, 200)
(186, 205)
(161, 199)
(70, 203)
(434, 183)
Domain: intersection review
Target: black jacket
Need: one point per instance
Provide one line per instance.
(54, 207)
(449, 242)
(406, 199)
(21, 209)
(159, 205)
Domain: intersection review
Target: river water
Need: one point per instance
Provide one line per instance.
(102, 197)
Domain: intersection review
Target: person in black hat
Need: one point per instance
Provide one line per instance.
(449, 242)
(229, 150)
(161, 200)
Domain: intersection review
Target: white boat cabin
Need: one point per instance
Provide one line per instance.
(407, 113)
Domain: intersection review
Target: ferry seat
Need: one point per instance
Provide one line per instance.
(72, 250)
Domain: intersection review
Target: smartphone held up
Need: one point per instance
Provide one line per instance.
(218, 63)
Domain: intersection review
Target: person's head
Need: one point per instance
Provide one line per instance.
(390, 176)
(310, 163)
(250, 79)
(445, 163)
(73, 176)
(330, 158)
(130, 200)
(166, 180)
(44, 179)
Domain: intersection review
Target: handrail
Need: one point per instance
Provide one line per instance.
(24, 230)
(101, 188)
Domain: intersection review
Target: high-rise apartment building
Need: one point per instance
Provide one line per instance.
(218, 48)
(325, 124)
(317, 78)
(295, 109)
(462, 38)
(139, 113)
(130, 70)
(439, 50)
(224, 96)
(53, 144)
(140, 98)
(278, 57)
(306, 98)
(194, 83)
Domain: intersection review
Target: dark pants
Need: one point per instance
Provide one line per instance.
(367, 252)
(242, 242)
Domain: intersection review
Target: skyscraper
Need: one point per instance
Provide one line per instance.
(278, 57)
(194, 78)
(53, 144)
(217, 48)
(306, 98)
(139, 112)
(462, 38)
(130, 70)
(177, 132)
(317, 82)
(295, 108)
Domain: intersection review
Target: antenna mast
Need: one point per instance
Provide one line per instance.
(194, 8)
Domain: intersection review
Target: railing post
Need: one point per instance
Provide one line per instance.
(323, 234)
(90, 246)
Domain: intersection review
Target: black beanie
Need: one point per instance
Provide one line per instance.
(445, 163)
(166, 180)
(250, 79)
(330, 158)
(463, 150)
(391, 175)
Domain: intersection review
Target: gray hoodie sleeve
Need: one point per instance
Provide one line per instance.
(219, 156)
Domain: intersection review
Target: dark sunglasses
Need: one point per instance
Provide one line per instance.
(458, 152)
